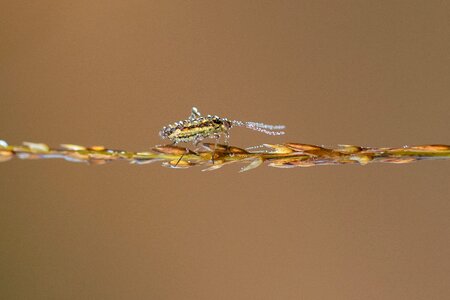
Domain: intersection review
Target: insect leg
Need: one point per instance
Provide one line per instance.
(217, 137)
(197, 140)
(182, 155)
(178, 161)
(214, 152)
(226, 140)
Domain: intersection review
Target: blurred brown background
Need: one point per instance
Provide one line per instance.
(372, 73)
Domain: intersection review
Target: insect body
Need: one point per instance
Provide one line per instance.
(198, 127)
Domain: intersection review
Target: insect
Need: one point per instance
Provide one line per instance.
(198, 127)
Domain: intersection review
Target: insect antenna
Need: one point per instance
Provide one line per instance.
(261, 127)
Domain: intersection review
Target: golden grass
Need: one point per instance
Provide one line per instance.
(213, 157)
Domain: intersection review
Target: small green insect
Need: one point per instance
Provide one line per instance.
(198, 127)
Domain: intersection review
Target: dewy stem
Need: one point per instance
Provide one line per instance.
(214, 156)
